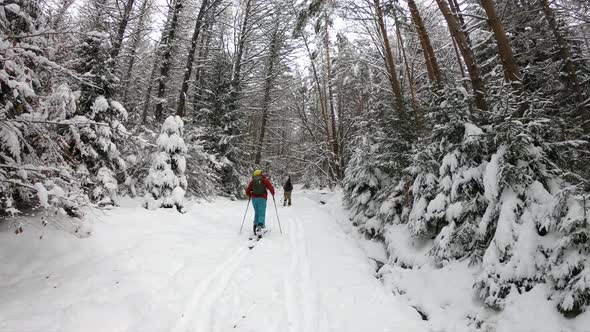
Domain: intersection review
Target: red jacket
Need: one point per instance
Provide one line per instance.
(268, 186)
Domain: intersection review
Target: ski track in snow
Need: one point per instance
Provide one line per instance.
(292, 294)
(301, 290)
(307, 286)
(200, 306)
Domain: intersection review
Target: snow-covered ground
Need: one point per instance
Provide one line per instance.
(160, 270)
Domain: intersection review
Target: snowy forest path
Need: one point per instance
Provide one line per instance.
(311, 278)
(164, 271)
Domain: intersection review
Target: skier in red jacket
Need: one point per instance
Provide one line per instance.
(257, 191)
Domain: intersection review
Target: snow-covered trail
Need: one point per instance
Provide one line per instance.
(162, 271)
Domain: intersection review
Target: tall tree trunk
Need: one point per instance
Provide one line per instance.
(322, 104)
(282, 147)
(390, 64)
(188, 69)
(341, 133)
(457, 12)
(467, 53)
(511, 70)
(165, 49)
(564, 51)
(148, 93)
(269, 80)
(237, 68)
(434, 73)
(459, 62)
(121, 28)
(135, 42)
(330, 100)
(586, 39)
(415, 105)
(203, 56)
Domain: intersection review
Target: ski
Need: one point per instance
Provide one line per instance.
(252, 242)
(253, 239)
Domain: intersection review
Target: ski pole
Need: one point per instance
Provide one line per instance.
(245, 213)
(277, 212)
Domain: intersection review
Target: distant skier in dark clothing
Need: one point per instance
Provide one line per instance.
(257, 191)
(288, 188)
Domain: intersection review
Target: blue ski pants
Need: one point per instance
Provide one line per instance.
(259, 205)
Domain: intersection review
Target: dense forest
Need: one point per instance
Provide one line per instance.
(461, 124)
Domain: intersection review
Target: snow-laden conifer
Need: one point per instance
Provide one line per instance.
(166, 183)
(362, 180)
(96, 142)
(34, 161)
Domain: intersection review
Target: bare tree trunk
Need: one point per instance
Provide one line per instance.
(415, 105)
(121, 28)
(283, 146)
(165, 49)
(456, 10)
(432, 67)
(135, 41)
(330, 100)
(188, 69)
(459, 62)
(341, 140)
(148, 93)
(586, 39)
(511, 70)
(270, 76)
(390, 64)
(203, 56)
(467, 53)
(319, 90)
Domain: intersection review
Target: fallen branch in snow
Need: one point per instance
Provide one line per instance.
(67, 123)
(421, 312)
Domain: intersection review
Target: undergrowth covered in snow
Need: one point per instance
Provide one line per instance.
(489, 208)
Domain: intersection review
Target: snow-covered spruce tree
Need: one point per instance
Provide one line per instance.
(201, 174)
(536, 141)
(363, 179)
(96, 143)
(460, 201)
(447, 175)
(522, 184)
(422, 222)
(569, 263)
(33, 162)
(461, 149)
(166, 183)
(221, 127)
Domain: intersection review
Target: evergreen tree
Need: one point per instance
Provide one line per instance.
(522, 181)
(459, 203)
(34, 165)
(568, 264)
(96, 143)
(166, 183)
(222, 127)
(362, 181)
